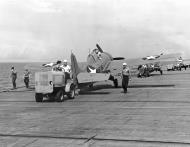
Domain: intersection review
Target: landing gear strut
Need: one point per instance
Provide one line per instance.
(115, 83)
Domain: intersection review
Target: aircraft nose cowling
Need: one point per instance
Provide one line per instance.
(99, 62)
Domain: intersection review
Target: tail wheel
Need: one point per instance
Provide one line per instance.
(115, 83)
(39, 97)
(71, 94)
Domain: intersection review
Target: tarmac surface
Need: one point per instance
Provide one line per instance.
(154, 113)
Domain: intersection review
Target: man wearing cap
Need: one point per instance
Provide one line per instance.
(66, 67)
(57, 67)
(13, 77)
(125, 77)
(26, 77)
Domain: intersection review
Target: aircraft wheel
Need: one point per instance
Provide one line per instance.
(115, 83)
(39, 97)
(71, 94)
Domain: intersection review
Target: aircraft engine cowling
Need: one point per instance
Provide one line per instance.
(99, 62)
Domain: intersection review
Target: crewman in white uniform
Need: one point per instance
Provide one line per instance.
(126, 75)
(66, 67)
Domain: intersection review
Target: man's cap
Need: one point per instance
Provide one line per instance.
(124, 64)
(65, 61)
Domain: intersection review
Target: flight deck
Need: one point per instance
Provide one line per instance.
(155, 112)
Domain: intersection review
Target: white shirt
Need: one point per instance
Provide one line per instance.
(66, 68)
(126, 71)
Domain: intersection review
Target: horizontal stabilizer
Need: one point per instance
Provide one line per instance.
(92, 77)
(118, 58)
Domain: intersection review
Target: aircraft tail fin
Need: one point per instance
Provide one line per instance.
(74, 68)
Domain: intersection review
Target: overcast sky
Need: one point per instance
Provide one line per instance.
(47, 30)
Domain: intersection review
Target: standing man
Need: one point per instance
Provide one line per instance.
(67, 69)
(13, 77)
(26, 78)
(126, 75)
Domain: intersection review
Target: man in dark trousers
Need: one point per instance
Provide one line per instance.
(13, 77)
(125, 77)
(26, 78)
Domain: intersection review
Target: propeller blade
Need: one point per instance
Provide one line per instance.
(99, 48)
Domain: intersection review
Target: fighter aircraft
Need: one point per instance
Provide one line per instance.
(81, 77)
(153, 57)
(99, 61)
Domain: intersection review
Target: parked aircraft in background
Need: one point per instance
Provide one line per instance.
(49, 64)
(152, 57)
(178, 64)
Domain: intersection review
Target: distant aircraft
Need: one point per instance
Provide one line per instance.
(152, 57)
(49, 64)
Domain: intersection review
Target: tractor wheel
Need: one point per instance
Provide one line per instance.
(71, 94)
(59, 96)
(39, 97)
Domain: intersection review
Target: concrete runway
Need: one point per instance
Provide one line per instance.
(155, 113)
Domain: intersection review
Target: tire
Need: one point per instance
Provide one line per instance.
(115, 82)
(59, 96)
(39, 97)
(71, 94)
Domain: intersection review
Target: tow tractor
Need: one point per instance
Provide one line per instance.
(53, 85)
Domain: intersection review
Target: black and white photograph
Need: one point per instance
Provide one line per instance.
(94, 73)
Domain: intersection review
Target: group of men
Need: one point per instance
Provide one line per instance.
(14, 77)
(143, 71)
(62, 67)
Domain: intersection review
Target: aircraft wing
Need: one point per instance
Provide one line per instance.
(92, 77)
